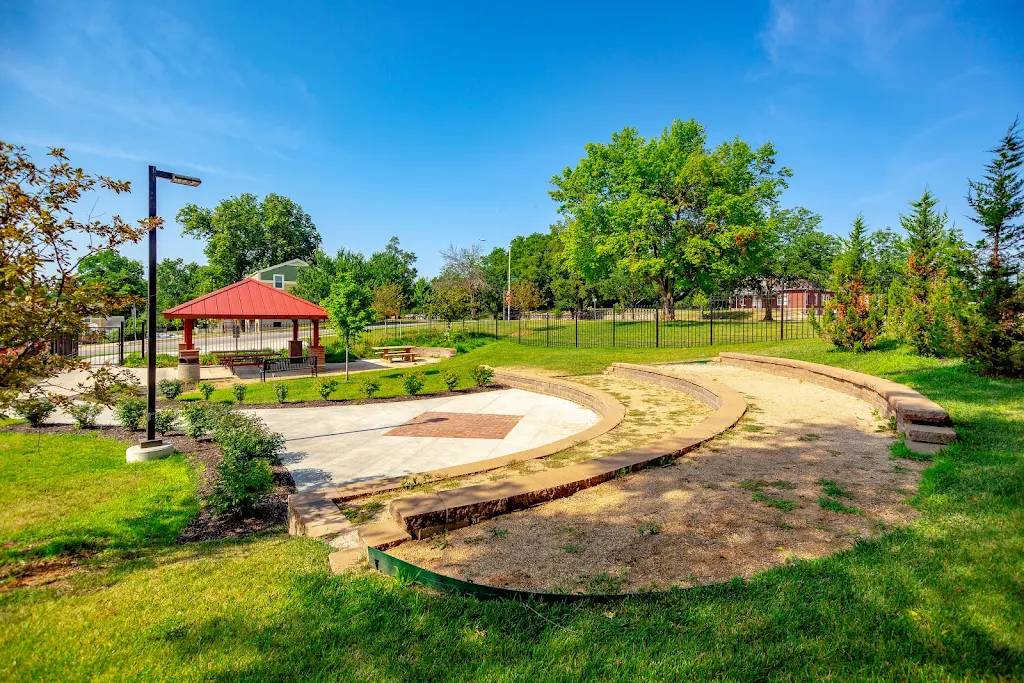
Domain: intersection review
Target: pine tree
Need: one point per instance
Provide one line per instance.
(996, 344)
(852, 318)
(926, 307)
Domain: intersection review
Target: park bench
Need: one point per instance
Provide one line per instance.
(283, 363)
(393, 353)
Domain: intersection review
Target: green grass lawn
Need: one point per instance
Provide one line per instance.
(942, 599)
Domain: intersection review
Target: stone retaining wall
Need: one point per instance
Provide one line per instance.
(924, 423)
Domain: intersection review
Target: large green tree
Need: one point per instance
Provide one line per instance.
(314, 283)
(392, 265)
(118, 276)
(670, 208)
(996, 345)
(793, 249)
(245, 233)
(176, 283)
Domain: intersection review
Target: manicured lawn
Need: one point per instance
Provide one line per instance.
(942, 599)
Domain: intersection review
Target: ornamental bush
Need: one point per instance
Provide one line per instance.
(239, 391)
(202, 418)
(325, 387)
(206, 389)
(280, 392)
(482, 375)
(35, 410)
(244, 437)
(84, 414)
(450, 379)
(413, 382)
(240, 485)
(164, 420)
(130, 411)
(170, 388)
(369, 387)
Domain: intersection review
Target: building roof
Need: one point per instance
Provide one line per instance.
(291, 262)
(248, 300)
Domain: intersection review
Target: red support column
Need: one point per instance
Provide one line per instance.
(188, 334)
(295, 330)
(316, 333)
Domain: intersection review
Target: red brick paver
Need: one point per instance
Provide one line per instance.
(458, 426)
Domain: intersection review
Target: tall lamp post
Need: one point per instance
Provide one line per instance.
(152, 448)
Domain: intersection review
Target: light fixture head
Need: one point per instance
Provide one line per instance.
(185, 180)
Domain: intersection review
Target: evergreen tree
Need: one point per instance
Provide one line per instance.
(852, 318)
(927, 306)
(996, 344)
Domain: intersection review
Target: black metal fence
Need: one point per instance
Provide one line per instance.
(719, 323)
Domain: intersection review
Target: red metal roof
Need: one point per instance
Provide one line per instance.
(248, 300)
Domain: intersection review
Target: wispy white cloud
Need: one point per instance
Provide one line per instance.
(809, 36)
(171, 79)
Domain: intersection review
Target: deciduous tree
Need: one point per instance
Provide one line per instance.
(44, 244)
(118, 276)
(349, 307)
(245, 233)
(450, 300)
(389, 300)
(669, 208)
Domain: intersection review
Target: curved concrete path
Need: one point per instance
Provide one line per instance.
(335, 446)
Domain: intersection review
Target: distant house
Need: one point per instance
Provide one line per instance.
(800, 294)
(280, 276)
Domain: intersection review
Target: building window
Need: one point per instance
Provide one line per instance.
(279, 282)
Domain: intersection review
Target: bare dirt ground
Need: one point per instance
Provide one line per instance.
(806, 473)
(652, 412)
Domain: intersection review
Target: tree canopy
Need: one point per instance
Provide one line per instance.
(245, 233)
(118, 276)
(670, 208)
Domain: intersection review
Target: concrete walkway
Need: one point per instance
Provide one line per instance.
(349, 444)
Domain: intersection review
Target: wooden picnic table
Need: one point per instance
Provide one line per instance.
(233, 358)
(393, 353)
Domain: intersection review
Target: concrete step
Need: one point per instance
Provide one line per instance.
(343, 560)
(928, 433)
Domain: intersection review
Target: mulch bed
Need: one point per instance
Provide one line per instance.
(204, 456)
(319, 403)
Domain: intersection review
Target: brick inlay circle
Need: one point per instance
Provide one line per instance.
(457, 426)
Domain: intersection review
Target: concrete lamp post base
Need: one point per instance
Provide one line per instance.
(146, 451)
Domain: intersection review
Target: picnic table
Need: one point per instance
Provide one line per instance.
(233, 358)
(393, 353)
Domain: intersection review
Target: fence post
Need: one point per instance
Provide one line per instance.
(547, 329)
(711, 315)
(657, 329)
(120, 344)
(520, 327)
(143, 339)
(577, 329)
(782, 317)
(613, 328)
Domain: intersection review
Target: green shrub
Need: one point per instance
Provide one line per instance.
(413, 382)
(208, 359)
(202, 418)
(239, 391)
(280, 392)
(130, 411)
(136, 360)
(369, 387)
(244, 436)
(450, 379)
(240, 485)
(35, 410)
(206, 389)
(84, 414)
(164, 420)
(170, 388)
(325, 387)
(482, 375)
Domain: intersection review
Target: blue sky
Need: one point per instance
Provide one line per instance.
(445, 122)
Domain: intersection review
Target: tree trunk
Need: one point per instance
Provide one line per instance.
(668, 300)
(346, 361)
(767, 310)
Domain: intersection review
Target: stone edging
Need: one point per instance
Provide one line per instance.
(316, 514)
(426, 514)
(924, 423)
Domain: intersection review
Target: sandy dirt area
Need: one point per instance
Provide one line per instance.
(652, 412)
(806, 473)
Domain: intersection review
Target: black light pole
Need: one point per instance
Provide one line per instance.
(151, 440)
